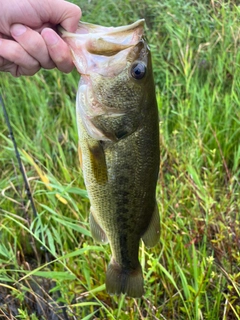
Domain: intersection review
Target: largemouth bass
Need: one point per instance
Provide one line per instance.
(118, 131)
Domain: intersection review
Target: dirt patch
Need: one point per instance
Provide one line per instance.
(36, 300)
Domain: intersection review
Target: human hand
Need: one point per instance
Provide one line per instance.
(27, 37)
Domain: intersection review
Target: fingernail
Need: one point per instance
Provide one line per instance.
(18, 30)
(51, 38)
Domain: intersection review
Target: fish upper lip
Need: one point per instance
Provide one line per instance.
(111, 30)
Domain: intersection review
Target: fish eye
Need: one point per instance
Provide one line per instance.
(138, 70)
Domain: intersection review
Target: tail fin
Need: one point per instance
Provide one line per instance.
(119, 280)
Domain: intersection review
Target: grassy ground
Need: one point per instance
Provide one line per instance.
(50, 268)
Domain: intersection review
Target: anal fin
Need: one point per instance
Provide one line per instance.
(152, 234)
(97, 232)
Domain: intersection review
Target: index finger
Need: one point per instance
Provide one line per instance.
(58, 50)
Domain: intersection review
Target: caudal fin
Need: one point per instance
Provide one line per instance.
(120, 280)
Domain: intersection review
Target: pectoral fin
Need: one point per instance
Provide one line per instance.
(97, 232)
(151, 235)
(98, 161)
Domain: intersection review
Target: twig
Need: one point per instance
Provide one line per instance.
(27, 188)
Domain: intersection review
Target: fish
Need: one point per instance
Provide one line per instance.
(118, 129)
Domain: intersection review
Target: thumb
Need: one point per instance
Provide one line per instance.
(67, 14)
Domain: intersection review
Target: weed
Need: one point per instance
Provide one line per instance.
(194, 271)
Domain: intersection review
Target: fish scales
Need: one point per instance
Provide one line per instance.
(119, 140)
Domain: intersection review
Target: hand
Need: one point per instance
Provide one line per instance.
(28, 40)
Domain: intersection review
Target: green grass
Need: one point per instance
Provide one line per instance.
(194, 272)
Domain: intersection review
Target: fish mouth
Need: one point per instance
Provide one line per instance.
(102, 50)
(105, 40)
